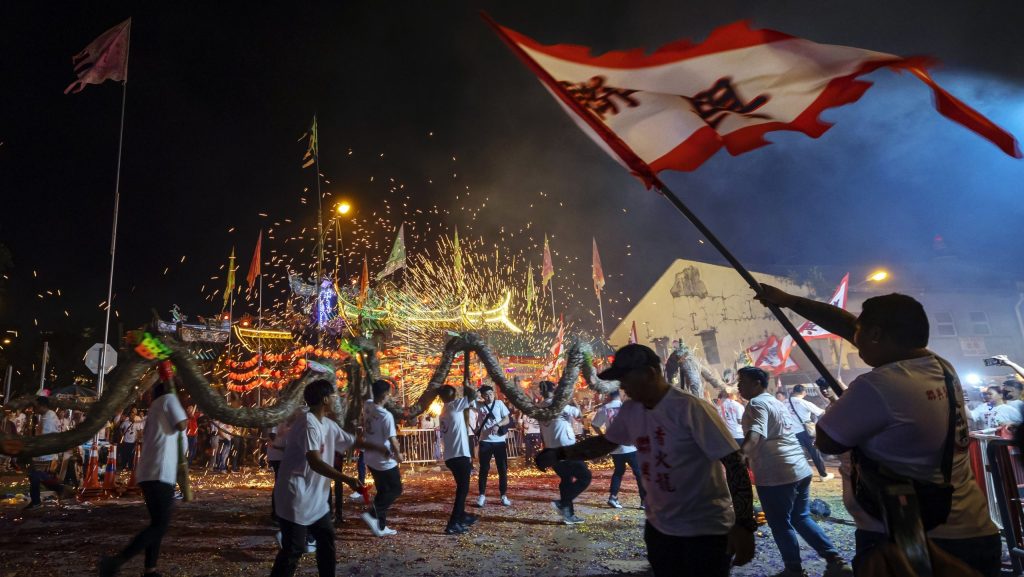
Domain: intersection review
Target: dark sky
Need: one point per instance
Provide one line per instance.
(219, 93)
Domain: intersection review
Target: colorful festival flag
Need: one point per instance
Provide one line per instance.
(547, 272)
(313, 148)
(810, 331)
(364, 282)
(677, 106)
(397, 258)
(555, 352)
(769, 355)
(231, 278)
(632, 334)
(597, 271)
(254, 266)
(105, 58)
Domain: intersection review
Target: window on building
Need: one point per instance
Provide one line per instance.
(709, 343)
(979, 324)
(944, 326)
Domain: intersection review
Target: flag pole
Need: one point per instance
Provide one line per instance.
(640, 168)
(113, 234)
(600, 308)
(751, 281)
(554, 317)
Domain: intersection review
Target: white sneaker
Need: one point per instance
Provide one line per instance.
(310, 546)
(614, 503)
(505, 501)
(387, 531)
(371, 522)
(277, 536)
(827, 477)
(481, 500)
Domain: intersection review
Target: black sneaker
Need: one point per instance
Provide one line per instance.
(468, 520)
(455, 529)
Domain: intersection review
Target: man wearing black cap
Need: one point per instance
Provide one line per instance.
(699, 514)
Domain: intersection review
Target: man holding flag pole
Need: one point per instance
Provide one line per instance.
(676, 107)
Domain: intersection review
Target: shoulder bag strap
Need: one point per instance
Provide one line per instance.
(480, 427)
(947, 448)
(795, 413)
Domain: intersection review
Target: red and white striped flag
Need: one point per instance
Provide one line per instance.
(598, 272)
(676, 107)
(810, 331)
(105, 58)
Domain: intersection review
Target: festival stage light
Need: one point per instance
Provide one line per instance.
(344, 207)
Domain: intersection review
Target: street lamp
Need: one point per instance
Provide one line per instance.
(342, 209)
(878, 276)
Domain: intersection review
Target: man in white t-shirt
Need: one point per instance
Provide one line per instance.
(995, 412)
(898, 415)
(1011, 390)
(302, 493)
(574, 474)
(700, 517)
(806, 412)
(163, 446)
(44, 467)
(455, 437)
(622, 456)
(731, 412)
(782, 476)
(493, 418)
(379, 429)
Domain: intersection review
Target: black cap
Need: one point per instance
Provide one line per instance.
(628, 358)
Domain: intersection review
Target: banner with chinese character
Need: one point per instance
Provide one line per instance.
(676, 107)
(810, 331)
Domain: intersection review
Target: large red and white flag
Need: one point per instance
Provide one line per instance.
(810, 331)
(598, 271)
(773, 356)
(106, 58)
(676, 107)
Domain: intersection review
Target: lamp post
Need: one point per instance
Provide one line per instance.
(342, 209)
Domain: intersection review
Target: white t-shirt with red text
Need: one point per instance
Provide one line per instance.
(732, 413)
(680, 443)
(898, 415)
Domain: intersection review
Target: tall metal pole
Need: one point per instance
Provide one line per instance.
(113, 235)
(554, 317)
(600, 308)
(42, 371)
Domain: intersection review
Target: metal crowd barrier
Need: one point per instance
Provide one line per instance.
(1005, 466)
(423, 445)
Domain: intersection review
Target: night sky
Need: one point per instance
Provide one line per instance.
(218, 97)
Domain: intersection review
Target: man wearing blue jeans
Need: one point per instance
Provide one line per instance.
(782, 477)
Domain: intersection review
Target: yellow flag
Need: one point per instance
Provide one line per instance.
(231, 278)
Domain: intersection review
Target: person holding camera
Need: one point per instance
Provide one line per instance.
(494, 422)
(906, 415)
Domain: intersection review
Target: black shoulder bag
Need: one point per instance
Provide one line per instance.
(490, 414)
(934, 500)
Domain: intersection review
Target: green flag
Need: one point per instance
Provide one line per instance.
(231, 278)
(397, 258)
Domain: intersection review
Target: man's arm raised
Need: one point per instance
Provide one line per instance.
(831, 318)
